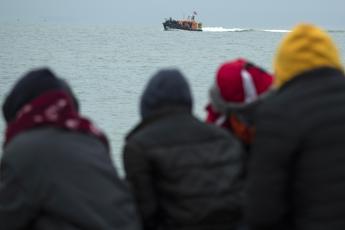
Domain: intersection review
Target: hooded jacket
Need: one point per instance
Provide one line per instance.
(296, 171)
(184, 173)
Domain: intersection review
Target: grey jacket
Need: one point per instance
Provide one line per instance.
(56, 179)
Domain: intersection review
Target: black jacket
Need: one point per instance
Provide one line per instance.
(297, 168)
(184, 173)
(56, 179)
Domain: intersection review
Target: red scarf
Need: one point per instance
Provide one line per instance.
(54, 108)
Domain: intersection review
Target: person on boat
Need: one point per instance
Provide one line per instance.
(240, 86)
(56, 169)
(182, 171)
(296, 169)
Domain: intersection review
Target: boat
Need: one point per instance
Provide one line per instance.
(189, 24)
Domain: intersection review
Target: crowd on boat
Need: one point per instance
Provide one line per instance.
(189, 24)
(269, 155)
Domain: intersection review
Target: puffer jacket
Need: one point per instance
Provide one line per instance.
(184, 173)
(56, 179)
(296, 171)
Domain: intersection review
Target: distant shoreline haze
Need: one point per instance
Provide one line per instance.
(268, 14)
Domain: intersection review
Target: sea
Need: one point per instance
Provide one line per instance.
(109, 66)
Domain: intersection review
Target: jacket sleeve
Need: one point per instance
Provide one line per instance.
(16, 208)
(269, 170)
(140, 178)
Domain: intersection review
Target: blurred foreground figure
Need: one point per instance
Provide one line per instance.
(296, 174)
(184, 173)
(239, 88)
(56, 170)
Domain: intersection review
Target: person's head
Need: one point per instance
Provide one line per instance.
(305, 48)
(238, 87)
(29, 87)
(167, 88)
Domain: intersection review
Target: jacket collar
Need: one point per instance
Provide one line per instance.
(324, 72)
(158, 115)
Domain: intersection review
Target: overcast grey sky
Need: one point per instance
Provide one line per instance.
(270, 14)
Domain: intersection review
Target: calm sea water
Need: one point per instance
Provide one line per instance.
(108, 66)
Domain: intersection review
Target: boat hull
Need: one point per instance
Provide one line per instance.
(168, 25)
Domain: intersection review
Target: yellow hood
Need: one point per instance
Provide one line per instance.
(305, 48)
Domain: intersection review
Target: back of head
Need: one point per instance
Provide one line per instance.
(166, 88)
(238, 88)
(305, 48)
(238, 84)
(30, 86)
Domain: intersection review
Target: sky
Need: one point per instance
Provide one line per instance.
(263, 14)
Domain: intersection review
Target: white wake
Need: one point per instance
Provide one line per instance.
(276, 31)
(222, 29)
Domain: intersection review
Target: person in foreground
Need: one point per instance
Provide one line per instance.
(183, 172)
(296, 176)
(56, 170)
(239, 88)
